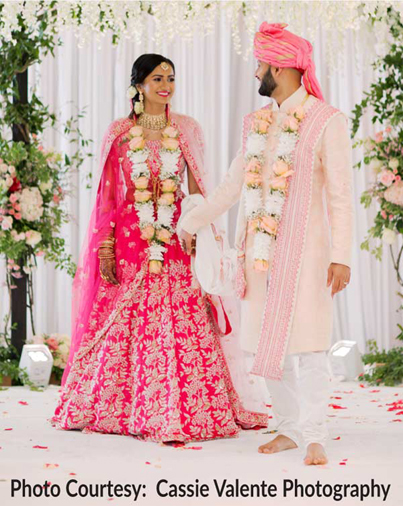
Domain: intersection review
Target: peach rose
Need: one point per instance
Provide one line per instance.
(170, 132)
(280, 167)
(141, 183)
(261, 265)
(251, 179)
(168, 185)
(264, 115)
(253, 166)
(166, 199)
(278, 183)
(290, 123)
(253, 225)
(136, 131)
(170, 144)
(298, 112)
(142, 196)
(147, 232)
(260, 126)
(137, 143)
(164, 235)
(269, 225)
(155, 267)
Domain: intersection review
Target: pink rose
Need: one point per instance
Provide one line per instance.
(13, 198)
(253, 166)
(290, 123)
(264, 115)
(142, 196)
(170, 132)
(278, 183)
(147, 232)
(155, 267)
(398, 178)
(269, 225)
(384, 215)
(7, 223)
(261, 265)
(260, 126)
(386, 177)
(164, 235)
(136, 131)
(56, 199)
(166, 199)
(18, 216)
(170, 144)
(253, 179)
(40, 253)
(17, 207)
(141, 183)
(280, 168)
(52, 343)
(168, 185)
(137, 143)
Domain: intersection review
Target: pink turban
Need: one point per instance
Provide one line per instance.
(281, 48)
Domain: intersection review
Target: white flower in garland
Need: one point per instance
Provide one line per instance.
(31, 203)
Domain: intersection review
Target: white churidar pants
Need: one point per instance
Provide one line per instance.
(300, 399)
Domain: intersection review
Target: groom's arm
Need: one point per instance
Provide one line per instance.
(219, 201)
(337, 164)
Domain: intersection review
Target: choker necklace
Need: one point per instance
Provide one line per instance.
(152, 122)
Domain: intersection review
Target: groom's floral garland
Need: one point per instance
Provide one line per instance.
(155, 216)
(264, 215)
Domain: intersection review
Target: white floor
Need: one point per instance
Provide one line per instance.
(366, 443)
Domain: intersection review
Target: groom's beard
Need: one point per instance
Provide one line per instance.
(268, 84)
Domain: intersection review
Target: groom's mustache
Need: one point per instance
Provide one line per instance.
(267, 84)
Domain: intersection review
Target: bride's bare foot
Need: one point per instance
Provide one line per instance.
(315, 455)
(279, 444)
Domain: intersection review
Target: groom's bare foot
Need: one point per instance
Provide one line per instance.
(279, 444)
(315, 455)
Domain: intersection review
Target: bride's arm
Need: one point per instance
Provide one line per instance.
(192, 185)
(219, 201)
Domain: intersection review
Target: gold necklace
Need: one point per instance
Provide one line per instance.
(152, 122)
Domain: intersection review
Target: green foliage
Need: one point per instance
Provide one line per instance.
(33, 180)
(388, 365)
(384, 154)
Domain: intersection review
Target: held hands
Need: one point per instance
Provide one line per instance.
(338, 276)
(187, 242)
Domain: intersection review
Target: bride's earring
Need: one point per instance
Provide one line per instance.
(139, 106)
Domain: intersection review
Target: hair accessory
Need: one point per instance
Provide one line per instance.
(164, 65)
(131, 92)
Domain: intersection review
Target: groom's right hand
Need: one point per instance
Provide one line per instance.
(185, 240)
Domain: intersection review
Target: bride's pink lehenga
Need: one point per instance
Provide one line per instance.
(146, 358)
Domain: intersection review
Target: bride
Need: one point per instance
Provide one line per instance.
(147, 357)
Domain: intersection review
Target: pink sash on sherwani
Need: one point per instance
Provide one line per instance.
(289, 248)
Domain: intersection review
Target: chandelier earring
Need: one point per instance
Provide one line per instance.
(139, 105)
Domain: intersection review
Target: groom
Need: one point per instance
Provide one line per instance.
(294, 245)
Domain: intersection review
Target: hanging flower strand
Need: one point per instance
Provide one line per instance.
(264, 215)
(156, 208)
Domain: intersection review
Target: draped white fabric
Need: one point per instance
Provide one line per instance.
(217, 87)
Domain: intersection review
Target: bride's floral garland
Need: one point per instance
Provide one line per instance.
(155, 216)
(264, 215)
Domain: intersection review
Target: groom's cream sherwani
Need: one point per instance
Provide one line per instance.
(330, 204)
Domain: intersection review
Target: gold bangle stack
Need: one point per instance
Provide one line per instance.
(106, 249)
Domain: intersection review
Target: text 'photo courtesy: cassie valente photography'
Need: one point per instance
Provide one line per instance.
(201, 219)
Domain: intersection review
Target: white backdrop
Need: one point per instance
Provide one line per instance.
(217, 87)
